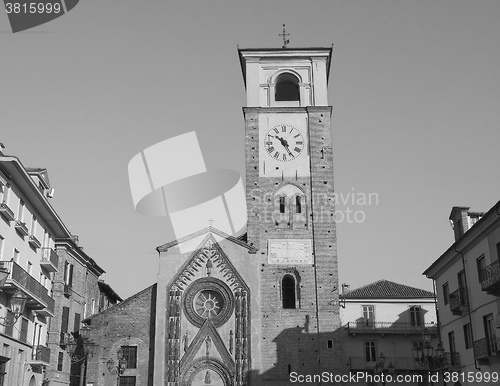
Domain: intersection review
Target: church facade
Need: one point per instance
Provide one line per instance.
(258, 308)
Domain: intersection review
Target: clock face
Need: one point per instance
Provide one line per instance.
(284, 143)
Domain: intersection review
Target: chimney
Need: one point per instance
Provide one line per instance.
(458, 220)
(462, 220)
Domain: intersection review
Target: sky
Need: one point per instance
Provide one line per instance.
(414, 86)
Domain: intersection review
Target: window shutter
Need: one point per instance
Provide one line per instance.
(65, 317)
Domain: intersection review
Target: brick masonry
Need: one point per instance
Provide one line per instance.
(129, 323)
(297, 339)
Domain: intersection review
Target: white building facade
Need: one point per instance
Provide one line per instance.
(467, 279)
(383, 322)
(28, 229)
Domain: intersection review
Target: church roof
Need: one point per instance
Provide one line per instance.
(239, 241)
(387, 289)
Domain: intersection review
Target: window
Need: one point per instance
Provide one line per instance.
(9, 329)
(16, 256)
(467, 335)
(498, 251)
(23, 334)
(33, 225)
(282, 204)
(29, 267)
(446, 293)
(93, 306)
(20, 214)
(451, 342)
(130, 354)
(370, 351)
(416, 316)
(64, 322)
(60, 358)
(1, 246)
(298, 204)
(68, 273)
(481, 265)
(329, 343)
(288, 291)
(127, 381)
(76, 327)
(368, 314)
(287, 88)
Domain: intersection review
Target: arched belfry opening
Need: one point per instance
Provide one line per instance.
(287, 88)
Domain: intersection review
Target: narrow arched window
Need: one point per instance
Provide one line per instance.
(288, 291)
(282, 204)
(298, 204)
(287, 88)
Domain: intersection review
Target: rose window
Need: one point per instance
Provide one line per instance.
(208, 298)
(208, 303)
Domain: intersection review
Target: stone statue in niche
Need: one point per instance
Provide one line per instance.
(209, 266)
(185, 341)
(208, 343)
(208, 381)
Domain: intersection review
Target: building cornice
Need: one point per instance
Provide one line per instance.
(14, 170)
(468, 240)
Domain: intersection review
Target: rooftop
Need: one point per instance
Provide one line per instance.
(387, 289)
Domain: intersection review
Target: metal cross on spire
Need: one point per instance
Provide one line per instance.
(284, 34)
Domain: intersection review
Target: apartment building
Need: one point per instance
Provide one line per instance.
(76, 293)
(383, 323)
(467, 279)
(29, 227)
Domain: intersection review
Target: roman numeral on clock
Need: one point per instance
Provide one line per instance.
(276, 155)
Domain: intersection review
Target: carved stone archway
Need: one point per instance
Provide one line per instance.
(207, 371)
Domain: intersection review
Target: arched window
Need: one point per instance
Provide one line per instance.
(298, 204)
(287, 88)
(288, 291)
(282, 204)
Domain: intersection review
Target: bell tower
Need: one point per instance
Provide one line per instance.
(290, 201)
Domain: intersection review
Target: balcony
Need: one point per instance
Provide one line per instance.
(6, 212)
(364, 327)
(21, 228)
(50, 259)
(451, 361)
(38, 297)
(40, 356)
(490, 279)
(485, 348)
(400, 363)
(34, 242)
(67, 290)
(458, 302)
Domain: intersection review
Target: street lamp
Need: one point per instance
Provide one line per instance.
(117, 368)
(81, 348)
(17, 304)
(424, 354)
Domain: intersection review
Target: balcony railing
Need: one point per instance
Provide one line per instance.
(451, 360)
(34, 242)
(21, 228)
(6, 212)
(400, 363)
(50, 259)
(486, 347)
(458, 302)
(38, 297)
(368, 327)
(40, 356)
(490, 279)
